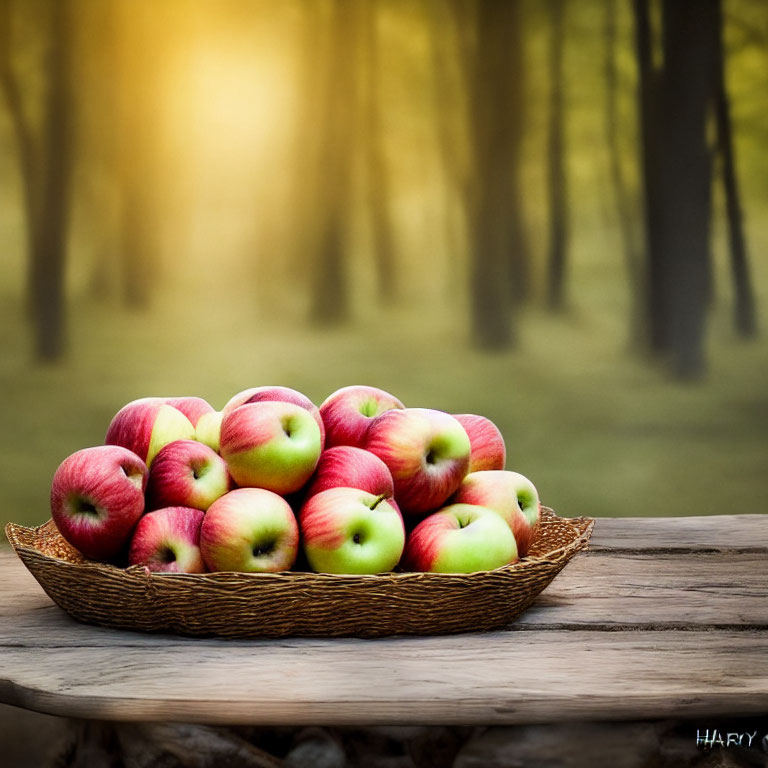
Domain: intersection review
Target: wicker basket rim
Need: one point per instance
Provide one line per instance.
(296, 603)
(582, 526)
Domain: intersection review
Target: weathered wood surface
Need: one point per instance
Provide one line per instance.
(681, 534)
(641, 626)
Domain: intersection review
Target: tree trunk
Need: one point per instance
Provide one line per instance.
(102, 282)
(744, 304)
(50, 244)
(27, 153)
(449, 22)
(626, 221)
(137, 137)
(496, 134)
(655, 304)
(375, 155)
(330, 296)
(689, 42)
(307, 141)
(557, 189)
(675, 103)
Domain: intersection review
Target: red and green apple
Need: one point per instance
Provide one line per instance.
(346, 530)
(427, 452)
(349, 411)
(460, 538)
(511, 495)
(276, 394)
(270, 444)
(488, 449)
(347, 466)
(250, 530)
(186, 473)
(168, 541)
(97, 496)
(144, 426)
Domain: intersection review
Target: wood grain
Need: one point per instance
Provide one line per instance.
(500, 677)
(715, 533)
(670, 626)
(690, 591)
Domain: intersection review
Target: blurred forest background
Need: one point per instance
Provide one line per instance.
(553, 213)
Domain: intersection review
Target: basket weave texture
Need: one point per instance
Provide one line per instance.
(296, 603)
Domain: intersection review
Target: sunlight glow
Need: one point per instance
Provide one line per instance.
(236, 103)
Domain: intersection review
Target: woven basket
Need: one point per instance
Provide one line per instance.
(298, 604)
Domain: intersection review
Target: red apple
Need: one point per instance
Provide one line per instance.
(426, 451)
(347, 466)
(488, 449)
(460, 538)
(97, 495)
(346, 530)
(509, 494)
(186, 473)
(272, 445)
(349, 411)
(250, 530)
(276, 394)
(168, 540)
(144, 426)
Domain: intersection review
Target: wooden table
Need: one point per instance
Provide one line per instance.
(660, 618)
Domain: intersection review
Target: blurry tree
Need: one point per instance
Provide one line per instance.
(744, 304)
(45, 164)
(108, 91)
(496, 127)
(648, 87)
(306, 145)
(137, 148)
(24, 135)
(623, 200)
(372, 136)
(675, 97)
(556, 160)
(450, 24)
(330, 295)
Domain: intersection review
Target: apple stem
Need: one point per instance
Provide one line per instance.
(379, 500)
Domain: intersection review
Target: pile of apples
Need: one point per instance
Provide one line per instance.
(361, 484)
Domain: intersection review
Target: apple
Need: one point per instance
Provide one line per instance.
(346, 530)
(208, 429)
(276, 394)
(168, 540)
(348, 413)
(194, 408)
(186, 473)
(488, 449)
(460, 538)
(270, 444)
(144, 426)
(426, 451)
(250, 530)
(511, 495)
(351, 467)
(97, 495)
